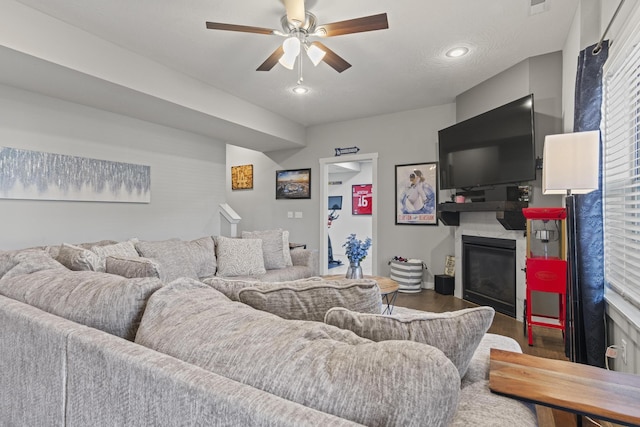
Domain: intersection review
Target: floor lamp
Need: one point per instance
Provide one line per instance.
(570, 166)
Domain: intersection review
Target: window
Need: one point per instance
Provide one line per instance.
(621, 167)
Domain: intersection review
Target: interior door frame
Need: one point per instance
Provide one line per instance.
(324, 206)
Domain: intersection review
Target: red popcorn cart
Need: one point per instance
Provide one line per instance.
(546, 265)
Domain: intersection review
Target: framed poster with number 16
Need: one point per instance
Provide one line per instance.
(361, 199)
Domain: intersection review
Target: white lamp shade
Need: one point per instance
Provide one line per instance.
(315, 54)
(288, 60)
(571, 162)
(291, 47)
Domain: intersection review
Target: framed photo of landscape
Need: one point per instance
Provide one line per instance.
(293, 184)
(416, 193)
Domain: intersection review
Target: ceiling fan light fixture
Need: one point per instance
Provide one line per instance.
(288, 61)
(291, 47)
(315, 54)
(457, 52)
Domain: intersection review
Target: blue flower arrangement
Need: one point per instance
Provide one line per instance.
(356, 249)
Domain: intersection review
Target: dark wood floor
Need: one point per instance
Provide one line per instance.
(547, 342)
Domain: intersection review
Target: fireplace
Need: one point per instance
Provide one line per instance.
(489, 272)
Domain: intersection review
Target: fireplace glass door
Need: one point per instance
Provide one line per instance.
(489, 272)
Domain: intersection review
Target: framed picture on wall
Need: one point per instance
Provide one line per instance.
(416, 193)
(361, 199)
(242, 177)
(293, 184)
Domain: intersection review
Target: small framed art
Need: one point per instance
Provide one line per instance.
(293, 184)
(361, 199)
(242, 177)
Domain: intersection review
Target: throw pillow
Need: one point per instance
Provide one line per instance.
(311, 301)
(239, 257)
(132, 267)
(456, 333)
(272, 247)
(286, 252)
(79, 259)
(202, 253)
(317, 365)
(231, 287)
(124, 249)
(172, 255)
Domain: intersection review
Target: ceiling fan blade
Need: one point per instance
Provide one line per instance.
(240, 28)
(332, 59)
(296, 14)
(272, 60)
(358, 25)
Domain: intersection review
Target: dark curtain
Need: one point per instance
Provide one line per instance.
(589, 322)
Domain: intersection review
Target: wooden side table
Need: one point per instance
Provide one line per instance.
(573, 387)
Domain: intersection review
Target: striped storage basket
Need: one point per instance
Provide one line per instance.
(408, 274)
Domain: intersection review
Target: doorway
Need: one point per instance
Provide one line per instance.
(328, 167)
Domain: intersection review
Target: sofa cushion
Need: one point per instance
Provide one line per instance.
(479, 367)
(311, 301)
(103, 301)
(273, 248)
(456, 333)
(15, 263)
(133, 267)
(479, 407)
(79, 259)
(231, 286)
(239, 257)
(317, 365)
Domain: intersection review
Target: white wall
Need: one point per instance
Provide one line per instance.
(187, 174)
(399, 138)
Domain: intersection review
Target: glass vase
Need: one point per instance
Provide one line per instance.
(354, 271)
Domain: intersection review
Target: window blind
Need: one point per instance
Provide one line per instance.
(621, 170)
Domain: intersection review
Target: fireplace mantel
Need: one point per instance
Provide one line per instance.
(509, 214)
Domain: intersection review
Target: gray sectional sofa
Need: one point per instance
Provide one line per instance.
(88, 347)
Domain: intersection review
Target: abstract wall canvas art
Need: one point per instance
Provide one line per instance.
(38, 175)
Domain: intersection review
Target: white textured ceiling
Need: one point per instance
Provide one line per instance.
(397, 69)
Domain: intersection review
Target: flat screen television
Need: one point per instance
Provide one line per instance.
(494, 148)
(335, 203)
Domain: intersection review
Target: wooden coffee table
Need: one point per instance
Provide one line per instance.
(388, 289)
(573, 387)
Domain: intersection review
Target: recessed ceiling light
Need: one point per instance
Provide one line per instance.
(457, 52)
(300, 90)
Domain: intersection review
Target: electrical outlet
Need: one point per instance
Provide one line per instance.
(623, 350)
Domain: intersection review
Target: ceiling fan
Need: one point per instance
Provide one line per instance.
(298, 25)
